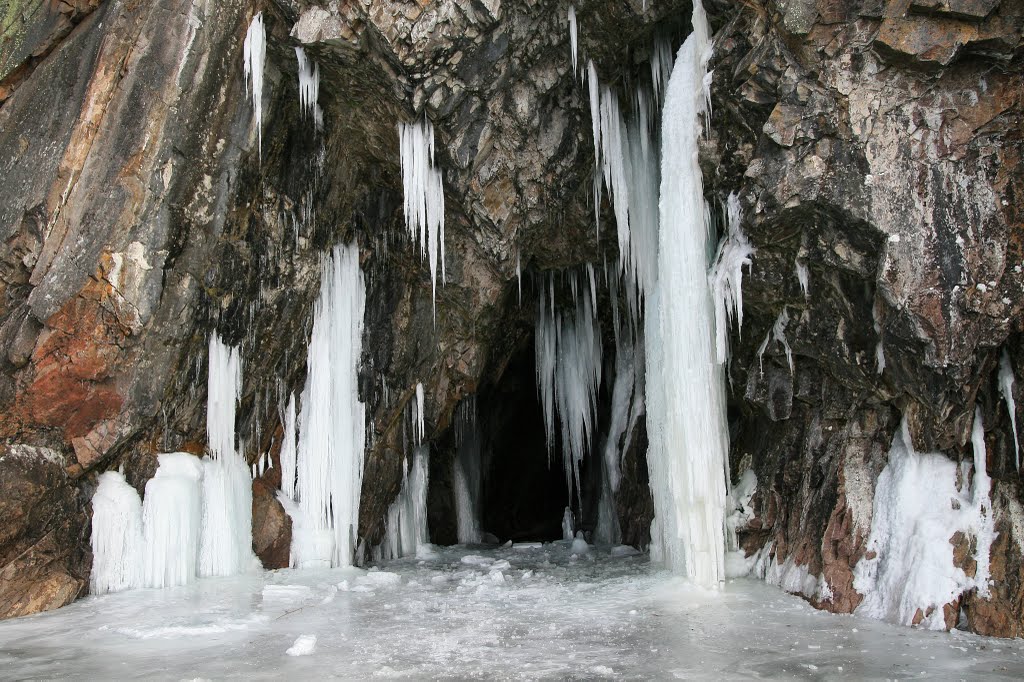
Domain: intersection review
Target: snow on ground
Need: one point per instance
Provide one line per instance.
(476, 612)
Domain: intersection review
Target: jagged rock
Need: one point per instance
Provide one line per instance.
(44, 552)
(139, 214)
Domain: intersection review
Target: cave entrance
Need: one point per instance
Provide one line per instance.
(523, 494)
(497, 466)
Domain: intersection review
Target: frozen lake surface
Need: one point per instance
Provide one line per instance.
(514, 612)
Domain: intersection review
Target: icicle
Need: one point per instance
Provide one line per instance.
(1006, 382)
(573, 36)
(420, 426)
(407, 529)
(255, 55)
(309, 87)
(568, 358)
(726, 278)
(661, 66)
(803, 276)
(424, 194)
(287, 454)
(778, 333)
(224, 383)
(567, 532)
(879, 349)
(116, 535)
(689, 439)
(329, 464)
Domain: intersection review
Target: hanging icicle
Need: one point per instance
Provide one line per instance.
(255, 55)
(424, 194)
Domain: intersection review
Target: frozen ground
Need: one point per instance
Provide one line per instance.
(533, 612)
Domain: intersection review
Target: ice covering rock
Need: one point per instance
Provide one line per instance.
(726, 277)
(407, 517)
(1006, 388)
(908, 573)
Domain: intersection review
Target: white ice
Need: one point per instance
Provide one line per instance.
(423, 191)
(726, 277)
(689, 440)
(116, 535)
(255, 55)
(573, 35)
(517, 613)
(1006, 382)
(917, 509)
(331, 439)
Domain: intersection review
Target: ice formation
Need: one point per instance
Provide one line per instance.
(309, 88)
(226, 546)
(116, 535)
(287, 455)
(567, 525)
(172, 516)
(689, 441)
(406, 531)
(917, 509)
(777, 333)
(255, 56)
(879, 349)
(467, 472)
(1006, 387)
(329, 453)
(803, 277)
(726, 278)
(573, 35)
(568, 358)
(424, 193)
(420, 425)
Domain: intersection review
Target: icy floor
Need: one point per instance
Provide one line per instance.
(535, 612)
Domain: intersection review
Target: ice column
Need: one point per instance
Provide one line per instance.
(1006, 387)
(329, 466)
(226, 546)
(116, 535)
(172, 521)
(689, 443)
(467, 472)
(423, 192)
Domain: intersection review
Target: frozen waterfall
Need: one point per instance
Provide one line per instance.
(689, 442)
(328, 467)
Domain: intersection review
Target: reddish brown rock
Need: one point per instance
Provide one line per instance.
(271, 528)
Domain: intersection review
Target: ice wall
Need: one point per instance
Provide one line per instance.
(688, 453)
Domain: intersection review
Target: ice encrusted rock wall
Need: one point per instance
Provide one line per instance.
(876, 142)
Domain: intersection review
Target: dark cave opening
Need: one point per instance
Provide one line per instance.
(523, 492)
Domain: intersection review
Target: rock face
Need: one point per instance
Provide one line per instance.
(892, 181)
(44, 538)
(876, 143)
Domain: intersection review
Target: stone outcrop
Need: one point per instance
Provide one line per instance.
(44, 536)
(876, 142)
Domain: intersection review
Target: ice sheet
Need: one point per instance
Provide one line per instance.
(518, 612)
